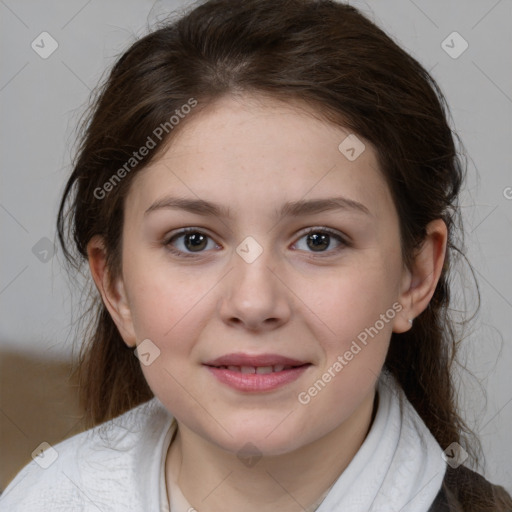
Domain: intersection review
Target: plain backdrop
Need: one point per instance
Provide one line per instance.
(41, 100)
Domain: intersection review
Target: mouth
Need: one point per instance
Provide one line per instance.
(260, 370)
(242, 360)
(256, 373)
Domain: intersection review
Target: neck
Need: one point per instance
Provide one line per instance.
(213, 479)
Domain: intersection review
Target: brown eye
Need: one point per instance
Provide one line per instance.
(318, 241)
(195, 241)
(189, 241)
(321, 240)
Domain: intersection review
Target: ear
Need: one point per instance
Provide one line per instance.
(112, 292)
(419, 281)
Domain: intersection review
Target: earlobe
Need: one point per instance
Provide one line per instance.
(420, 280)
(112, 292)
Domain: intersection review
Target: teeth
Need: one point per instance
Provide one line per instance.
(257, 369)
(264, 369)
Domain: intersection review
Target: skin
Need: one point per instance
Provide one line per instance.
(251, 155)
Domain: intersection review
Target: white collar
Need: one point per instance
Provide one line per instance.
(399, 466)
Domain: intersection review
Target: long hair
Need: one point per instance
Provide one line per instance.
(350, 72)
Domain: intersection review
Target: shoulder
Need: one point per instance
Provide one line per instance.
(464, 490)
(90, 469)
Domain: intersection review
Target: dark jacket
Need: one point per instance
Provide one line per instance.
(464, 490)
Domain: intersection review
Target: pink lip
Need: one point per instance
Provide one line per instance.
(241, 359)
(257, 382)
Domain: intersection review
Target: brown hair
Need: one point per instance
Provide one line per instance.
(327, 55)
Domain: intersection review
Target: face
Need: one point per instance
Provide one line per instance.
(277, 272)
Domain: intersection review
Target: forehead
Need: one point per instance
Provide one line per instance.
(261, 152)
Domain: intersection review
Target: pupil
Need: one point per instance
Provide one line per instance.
(319, 241)
(195, 241)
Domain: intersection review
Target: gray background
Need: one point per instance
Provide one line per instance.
(41, 100)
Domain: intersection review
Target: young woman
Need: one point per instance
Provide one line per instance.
(266, 196)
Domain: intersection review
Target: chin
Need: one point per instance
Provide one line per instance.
(259, 440)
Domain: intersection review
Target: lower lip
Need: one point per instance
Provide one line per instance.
(257, 381)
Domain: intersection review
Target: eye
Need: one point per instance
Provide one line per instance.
(320, 239)
(189, 241)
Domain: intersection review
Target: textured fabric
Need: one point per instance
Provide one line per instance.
(464, 490)
(120, 466)
(399, 465)
(113, 467)
(165, 506)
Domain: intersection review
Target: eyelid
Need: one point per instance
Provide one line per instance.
(343, 239)
(166, 241)
(184, 231)
(325, 229)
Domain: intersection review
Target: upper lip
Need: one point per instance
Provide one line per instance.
(240, 359)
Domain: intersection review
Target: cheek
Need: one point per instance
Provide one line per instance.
(353, 299)
(162, 296)
(171, 313)
(356, 316)
(170, 307)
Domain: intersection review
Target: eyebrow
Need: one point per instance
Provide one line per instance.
(289, 209)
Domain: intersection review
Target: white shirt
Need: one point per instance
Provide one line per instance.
(120, 466)
(116, 466)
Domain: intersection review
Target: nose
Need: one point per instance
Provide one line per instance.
(255, 296)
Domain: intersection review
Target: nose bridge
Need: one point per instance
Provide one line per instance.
(255, 294)
(252, 274)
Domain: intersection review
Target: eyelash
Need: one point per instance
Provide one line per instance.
(322, 254)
